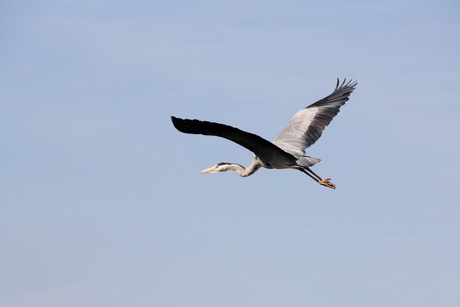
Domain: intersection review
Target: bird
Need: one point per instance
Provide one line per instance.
(287, 151)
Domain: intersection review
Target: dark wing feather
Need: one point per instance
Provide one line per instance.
(307, 125)
(265, 150)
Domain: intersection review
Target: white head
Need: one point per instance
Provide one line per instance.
(242, 171)
(220, 167)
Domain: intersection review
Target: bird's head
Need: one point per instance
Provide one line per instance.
(218, 168)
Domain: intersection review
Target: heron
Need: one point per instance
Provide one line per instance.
(287, 151)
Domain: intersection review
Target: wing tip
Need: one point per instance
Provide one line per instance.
(174, 120)
(351, 84)
(179, 123)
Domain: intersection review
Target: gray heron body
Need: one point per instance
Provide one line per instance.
(288, 148)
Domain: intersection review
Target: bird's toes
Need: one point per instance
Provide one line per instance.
(325, 182)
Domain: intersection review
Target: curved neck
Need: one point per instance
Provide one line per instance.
(245, 172)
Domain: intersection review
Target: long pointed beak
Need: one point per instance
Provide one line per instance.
(208, 170)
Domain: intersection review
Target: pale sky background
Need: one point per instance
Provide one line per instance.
(102, 203)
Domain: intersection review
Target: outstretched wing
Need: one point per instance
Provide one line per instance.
(262, 148)
(307, 125)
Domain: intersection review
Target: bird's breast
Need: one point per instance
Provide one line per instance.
(277, 164)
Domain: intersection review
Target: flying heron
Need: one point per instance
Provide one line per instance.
(288, 148)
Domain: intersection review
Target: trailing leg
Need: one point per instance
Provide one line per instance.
(325, 182)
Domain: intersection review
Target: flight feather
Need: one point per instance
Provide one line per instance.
(307, 125)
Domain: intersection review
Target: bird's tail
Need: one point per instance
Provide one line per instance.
(308, 161)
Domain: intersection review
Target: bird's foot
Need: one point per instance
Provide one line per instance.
(325, 182)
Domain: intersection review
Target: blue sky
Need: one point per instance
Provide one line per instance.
(101, 200)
